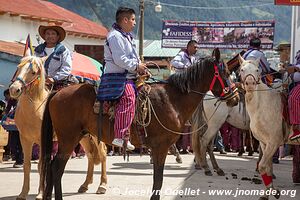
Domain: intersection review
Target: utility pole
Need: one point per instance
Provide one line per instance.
(141, 30)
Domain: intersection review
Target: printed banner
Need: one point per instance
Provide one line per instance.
(225, 35)
(287, 2)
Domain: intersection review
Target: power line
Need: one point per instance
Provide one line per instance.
(212, 8)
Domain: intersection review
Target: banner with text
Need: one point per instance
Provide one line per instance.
(288, 2)
(225, 35)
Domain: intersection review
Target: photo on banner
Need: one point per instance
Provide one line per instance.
(288, 2)
(224, 35)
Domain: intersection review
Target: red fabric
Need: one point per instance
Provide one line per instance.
(124, 112)
(267, 179)
(294, 105)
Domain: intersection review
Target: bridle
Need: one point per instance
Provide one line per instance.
(26, 85)
(256, 79)
(227, 92)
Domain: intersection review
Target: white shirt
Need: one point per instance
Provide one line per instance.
(182, 61)
(49, 50)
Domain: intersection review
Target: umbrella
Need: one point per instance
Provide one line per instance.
(86, 67)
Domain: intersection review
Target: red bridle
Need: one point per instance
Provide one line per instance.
(217, 76)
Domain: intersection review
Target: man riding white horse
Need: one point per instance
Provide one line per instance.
(254, 53)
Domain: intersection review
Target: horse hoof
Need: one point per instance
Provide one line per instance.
(273, 176)
(277, 195)
(220, 172)
(178, 160)
(208, 173)
(82, 189)
(101, 190)
(20, 198)
(39, 197)
(197, 167)
(263, 198)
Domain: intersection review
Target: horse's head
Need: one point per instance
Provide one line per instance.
(30, 72)
(250, 73)
(221, 84)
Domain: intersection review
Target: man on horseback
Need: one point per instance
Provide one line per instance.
(254, 53)
(185, 58)
(122, 62)
(59, 62)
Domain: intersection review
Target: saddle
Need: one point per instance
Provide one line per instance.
(107, 107)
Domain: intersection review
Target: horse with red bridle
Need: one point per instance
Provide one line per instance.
(70, 113)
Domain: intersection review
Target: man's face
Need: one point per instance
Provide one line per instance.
(192, 49)
(51, 37)
(129, 23)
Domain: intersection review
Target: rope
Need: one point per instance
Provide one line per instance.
(180, 133)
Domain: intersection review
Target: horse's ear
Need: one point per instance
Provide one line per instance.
(216, 53)
(241, 59)
(44, 59)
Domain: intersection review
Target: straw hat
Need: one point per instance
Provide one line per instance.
(60, 30)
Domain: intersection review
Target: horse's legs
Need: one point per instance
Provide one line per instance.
(210, 149)
(102, 153)
(242, 143)
(90, 170)
(102, 187)
(159, 155)
(265, 165)
(176, 153)
(59, 163)
(27, 150)
(251, 141)
(205, 141)
(41, 185)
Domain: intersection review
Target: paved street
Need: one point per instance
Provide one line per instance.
(133, 180)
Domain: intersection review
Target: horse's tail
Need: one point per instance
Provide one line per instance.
(198, 120)
(46, 141)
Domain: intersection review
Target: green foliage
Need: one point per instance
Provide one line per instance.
(104, 11)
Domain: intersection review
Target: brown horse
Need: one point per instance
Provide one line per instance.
(70, 113)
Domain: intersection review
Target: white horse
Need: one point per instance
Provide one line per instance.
(265, 110)
(29, 88)
(216, 114)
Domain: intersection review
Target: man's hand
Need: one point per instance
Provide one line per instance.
(293, 69)
(49, 81)
(141, 69)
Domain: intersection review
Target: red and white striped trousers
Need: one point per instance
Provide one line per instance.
(294, 105)
(124, 112)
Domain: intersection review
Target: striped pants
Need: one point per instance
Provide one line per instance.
(124, 112)
(294, 105)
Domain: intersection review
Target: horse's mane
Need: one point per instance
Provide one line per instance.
(185, 79)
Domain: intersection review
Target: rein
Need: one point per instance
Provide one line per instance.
(25, 85)
(176, 132)
(147, 104)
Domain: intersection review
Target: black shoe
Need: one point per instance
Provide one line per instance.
(275, 160)
(227, 149)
